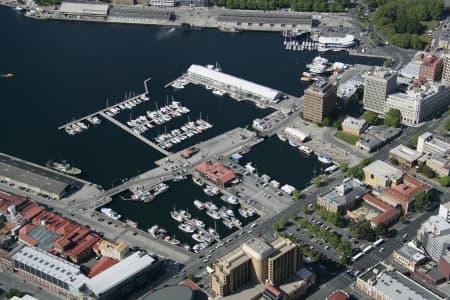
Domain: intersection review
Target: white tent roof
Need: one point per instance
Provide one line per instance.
(293, 132)
(81, 8)
(288, 188)
(236, 82)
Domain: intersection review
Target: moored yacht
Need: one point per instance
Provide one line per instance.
(186, 228)
(213, 214)
(305, 150)
(210, 206)
(231, 200)
(110, 213)
(199, 204)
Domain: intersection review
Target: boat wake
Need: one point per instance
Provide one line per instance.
(166, 33)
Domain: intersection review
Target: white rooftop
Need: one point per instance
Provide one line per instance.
(381, 169)
(395, 285)
(119, 272)
(354, 123)
(295, 133)
(82, 8)
(435, 224)
(235, 82)
(405, 153)
(347, 39)
(51, 265)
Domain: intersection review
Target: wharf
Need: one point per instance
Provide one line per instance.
(138, 136)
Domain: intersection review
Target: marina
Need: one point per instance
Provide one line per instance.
(129, 102)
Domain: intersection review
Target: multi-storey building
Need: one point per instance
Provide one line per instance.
(428, 144)
(419, 103)
(320, 101)
(434, 234)
(446, 68)
(255, 260)
(431, 68)
(379, 83)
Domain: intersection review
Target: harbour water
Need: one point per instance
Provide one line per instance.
(64, 70)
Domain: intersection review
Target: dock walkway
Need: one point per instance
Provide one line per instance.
(140, 137)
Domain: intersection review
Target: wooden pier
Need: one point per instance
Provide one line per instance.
(140, 137)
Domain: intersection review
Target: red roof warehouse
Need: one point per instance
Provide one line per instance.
(216, 172)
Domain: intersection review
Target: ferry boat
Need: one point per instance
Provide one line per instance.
(186, 228)
(176, 216)
(131, 223)
(305, 150)
(64, 167)
(336, 43)
(324, 159)
(213, 214)
(231, 200)
(110, 213)
(209, 205)
(282, 137)
(199, 204)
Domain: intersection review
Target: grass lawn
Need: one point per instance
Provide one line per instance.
(347, 137)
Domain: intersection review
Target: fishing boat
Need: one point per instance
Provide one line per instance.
(210, 206)
(198, 223)
(243, 212)
(305, 150)
(293, 143)
(282, 137)
(176, 216)
(197, 181)
(230, 200)
(110, 213)
(186, 228)
(171, 240)
(324, 159)
(213, 214)
(228, 223)
(131, 223)
(199, 204)
(64, 167)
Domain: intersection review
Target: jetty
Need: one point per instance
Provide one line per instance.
(138, 136)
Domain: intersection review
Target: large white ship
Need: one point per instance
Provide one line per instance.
(336, 43)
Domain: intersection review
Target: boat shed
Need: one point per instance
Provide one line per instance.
(264, 20)
(84, 9)
(232, 84)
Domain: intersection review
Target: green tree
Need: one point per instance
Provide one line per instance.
(13, 292)
(420, 201)
(191, 277)
(210, 264)
(337, 124)
(344, 260)
(293, 215)
(303, 209)
(444, 181)
(381, 229)
(412, 143)
(296, 194)
(447, 125)
(362, 230)
(425, 170)
(371, 118)
(275, 227)
(388, 62)
(393, 118)
(343, 167)
(394, 161)
(326, 122)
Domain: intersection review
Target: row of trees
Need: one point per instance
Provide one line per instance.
(393, 118)
(362, 230)
(297, 5)
(356, 171)
(400, 20)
